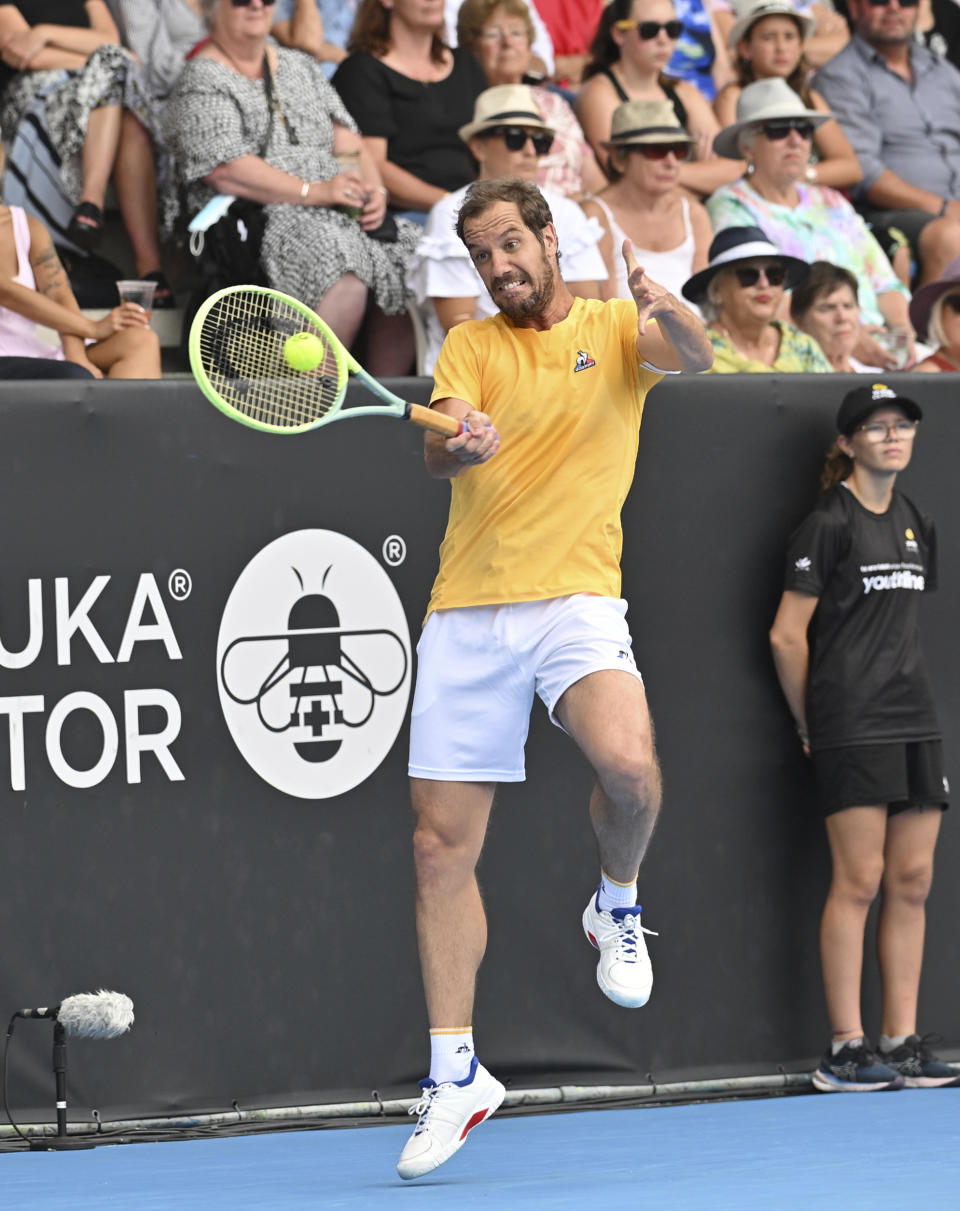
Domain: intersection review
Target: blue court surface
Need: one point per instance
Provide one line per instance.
(888, 1150)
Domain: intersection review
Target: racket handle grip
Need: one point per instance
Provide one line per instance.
(439, 422)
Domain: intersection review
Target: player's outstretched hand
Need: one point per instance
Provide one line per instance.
(479, 444)
(651, 297)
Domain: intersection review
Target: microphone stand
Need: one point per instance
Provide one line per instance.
(61, 1141)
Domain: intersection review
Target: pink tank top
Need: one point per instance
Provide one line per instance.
(18, 335)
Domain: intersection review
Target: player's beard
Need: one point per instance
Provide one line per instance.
(540, 296)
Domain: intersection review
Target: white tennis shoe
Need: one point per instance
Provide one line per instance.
(446, 1114)
(624, 972)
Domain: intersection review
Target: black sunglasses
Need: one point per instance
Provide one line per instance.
(648, 30)
(660, 151)
(516, 137)
(780, 128)
(748, 275)
(885, 3)
(246, 3)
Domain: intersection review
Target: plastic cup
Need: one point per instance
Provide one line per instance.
(896, 341)
(349, 161)
(137, 292)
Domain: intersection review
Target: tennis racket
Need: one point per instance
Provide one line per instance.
(238, 354)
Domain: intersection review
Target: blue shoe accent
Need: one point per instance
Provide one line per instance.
(468, 1079)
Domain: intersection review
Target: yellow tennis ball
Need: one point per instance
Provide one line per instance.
(303, 351)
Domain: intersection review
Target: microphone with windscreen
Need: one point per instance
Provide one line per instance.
(86, 1015)
(89, 1015)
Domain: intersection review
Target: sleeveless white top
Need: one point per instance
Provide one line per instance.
(670, 268)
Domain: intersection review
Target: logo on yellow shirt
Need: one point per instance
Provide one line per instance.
(584, 362)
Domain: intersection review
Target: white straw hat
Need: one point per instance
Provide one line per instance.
(764, 101)
(505, 105)
(637, 122)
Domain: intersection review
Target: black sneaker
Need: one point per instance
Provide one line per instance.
(855, 1070)
(918, 1066)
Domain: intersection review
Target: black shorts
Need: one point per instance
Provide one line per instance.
(910, 222)
(899, 775)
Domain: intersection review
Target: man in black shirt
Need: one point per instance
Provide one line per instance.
(847, 651)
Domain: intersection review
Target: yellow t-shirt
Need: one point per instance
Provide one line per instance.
(542, 518)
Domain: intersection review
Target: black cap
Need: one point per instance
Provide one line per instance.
(862, 402)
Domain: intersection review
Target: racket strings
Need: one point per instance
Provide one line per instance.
(242, 354)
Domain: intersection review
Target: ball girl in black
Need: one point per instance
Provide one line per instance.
(847, 651)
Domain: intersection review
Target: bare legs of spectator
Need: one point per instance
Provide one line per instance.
(343, 307)
(100, 152)
(117, 145)
(130, 353)
(939, 243)
(135, 180)
(390, 344)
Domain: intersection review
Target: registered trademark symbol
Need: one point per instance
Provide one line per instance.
(394, 550)
(179, 584)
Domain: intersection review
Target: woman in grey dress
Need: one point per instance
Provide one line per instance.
(240, 94)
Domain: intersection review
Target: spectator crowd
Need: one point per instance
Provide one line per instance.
(791, 170)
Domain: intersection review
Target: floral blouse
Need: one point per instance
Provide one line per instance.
(798, 354)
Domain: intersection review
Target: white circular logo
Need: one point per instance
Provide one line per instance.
(313, 664)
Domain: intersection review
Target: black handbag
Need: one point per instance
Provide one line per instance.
(229, 253)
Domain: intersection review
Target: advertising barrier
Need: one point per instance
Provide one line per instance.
(207, 651)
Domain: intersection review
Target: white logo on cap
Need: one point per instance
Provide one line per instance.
(882, 391)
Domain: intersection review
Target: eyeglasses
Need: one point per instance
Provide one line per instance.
(516, 138)
(660, 151)
(246, 3)
(648, 30)
(780, 128)
(884, 3)
(497, 34)
(749, 275)
(876, 431)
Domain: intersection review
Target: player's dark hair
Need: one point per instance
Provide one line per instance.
(837, 467)
(523, 194)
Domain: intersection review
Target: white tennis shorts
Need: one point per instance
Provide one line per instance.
(478, 668)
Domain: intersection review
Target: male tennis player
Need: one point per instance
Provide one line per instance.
(528, 599)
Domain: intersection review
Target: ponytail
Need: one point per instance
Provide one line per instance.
(837, 467)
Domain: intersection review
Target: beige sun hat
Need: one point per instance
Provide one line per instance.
(636, 122)
(748, 12)
(764, 101)
(505, 105)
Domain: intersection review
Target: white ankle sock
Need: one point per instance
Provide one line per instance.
(891, 1044)
(616, 895)
(838, 1044)
(451, 1053)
